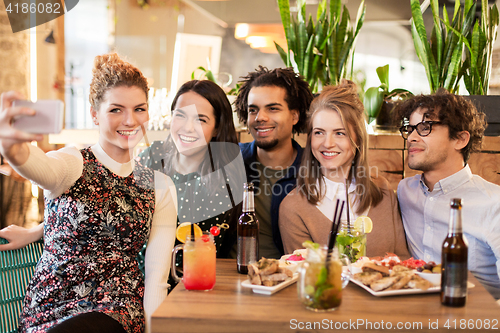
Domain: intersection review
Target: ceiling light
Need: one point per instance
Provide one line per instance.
(261, 36)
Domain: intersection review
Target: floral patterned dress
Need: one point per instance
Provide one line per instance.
(93, 233)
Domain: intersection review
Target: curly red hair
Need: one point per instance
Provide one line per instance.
(110, 71)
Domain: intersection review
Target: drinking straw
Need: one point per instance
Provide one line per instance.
(347, 208)
(333, 232)
(192, 232)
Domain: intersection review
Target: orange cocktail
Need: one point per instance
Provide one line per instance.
(198, 262)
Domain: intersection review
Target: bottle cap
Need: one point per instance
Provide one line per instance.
(456, 203)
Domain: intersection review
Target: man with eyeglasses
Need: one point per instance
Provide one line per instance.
(441, 131)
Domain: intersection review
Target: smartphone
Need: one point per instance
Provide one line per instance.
(48, 118)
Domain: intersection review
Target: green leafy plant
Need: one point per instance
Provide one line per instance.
(320, 51)
(375, 96)
(476, 69)
(209, 75)
(442, 55)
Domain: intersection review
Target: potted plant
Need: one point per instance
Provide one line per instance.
(442, 56)
(476, 68)
(230, 93)
(378, 101)
(321, 51)
(460, 48)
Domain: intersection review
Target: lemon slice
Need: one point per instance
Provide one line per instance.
(184, 229)
(365, 222)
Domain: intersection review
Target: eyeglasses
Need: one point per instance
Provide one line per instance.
(423, 128)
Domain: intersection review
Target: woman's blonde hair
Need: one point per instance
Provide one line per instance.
(110, 71)
(344, 100)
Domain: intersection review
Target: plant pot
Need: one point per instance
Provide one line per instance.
(490, 105)
(385, 119)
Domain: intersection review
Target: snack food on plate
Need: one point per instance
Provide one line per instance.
(267, 272)
(373, 267)
(430, 267)
(379, 278)
(296, 257)
(367, 278)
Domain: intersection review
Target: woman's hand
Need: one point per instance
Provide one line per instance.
(19, 237)
(11, 139)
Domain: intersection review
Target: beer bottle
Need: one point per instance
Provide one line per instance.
(248, 232)
(454, 260)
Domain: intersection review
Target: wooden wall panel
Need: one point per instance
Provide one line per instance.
(386, 152)
(388, 164)
(486, 165)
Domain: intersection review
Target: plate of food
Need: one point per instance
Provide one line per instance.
(390, 276)
(292, 261)
(381, 281)
(267, 277)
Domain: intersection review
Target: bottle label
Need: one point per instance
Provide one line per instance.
(455, 279)
(247, 250)
(248, 202)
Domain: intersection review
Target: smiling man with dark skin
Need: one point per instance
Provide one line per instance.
(442, 130)
(273, 104)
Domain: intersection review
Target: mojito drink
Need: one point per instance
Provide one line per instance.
(319, 288)
(351, 241)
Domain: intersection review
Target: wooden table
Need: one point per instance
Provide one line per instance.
(232, 308)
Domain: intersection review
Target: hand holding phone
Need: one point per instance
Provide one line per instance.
(48, 118)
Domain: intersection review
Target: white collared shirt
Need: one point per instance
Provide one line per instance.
(426, 217)
(334, 191)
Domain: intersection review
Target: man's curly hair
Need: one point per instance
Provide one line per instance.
(298, 94)
(454, 111)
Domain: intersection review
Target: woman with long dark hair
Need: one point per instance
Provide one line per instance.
(201, 156)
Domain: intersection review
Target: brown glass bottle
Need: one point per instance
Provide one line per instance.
(248, 232)
(454, 260)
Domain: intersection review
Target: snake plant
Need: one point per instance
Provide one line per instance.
(476, 68)
(445, 58)
(321, 51)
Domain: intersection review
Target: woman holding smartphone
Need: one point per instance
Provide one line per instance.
(101, 207)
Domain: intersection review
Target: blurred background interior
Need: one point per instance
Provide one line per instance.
(168, 40)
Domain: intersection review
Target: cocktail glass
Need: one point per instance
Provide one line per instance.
(198, 262)
(351, 241)
(320, 282)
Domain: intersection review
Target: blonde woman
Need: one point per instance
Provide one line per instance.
(335, 156)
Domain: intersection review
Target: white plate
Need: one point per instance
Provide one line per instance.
(270, 290)
(382, 293)
(433, 278)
